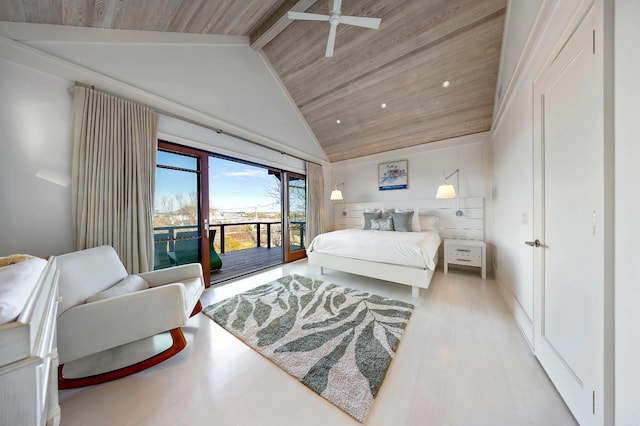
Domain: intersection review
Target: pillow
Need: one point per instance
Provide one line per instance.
(415, 222)
(17, 282)
(368, 217)
(382, 224)
(130, 284)
(386, 213)
(402, 221)
(430, 223)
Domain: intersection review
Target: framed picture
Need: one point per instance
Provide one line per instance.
(393, 175)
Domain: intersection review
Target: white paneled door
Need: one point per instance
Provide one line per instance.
(568, 227)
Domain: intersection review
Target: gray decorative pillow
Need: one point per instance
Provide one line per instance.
(368, 217)
(382, 224)
(402, 221)
(386, 213)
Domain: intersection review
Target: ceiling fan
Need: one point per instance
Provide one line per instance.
(335, 17)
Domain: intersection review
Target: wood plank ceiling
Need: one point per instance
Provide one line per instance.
(420, 44)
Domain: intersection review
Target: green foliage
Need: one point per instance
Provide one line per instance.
(231, 244)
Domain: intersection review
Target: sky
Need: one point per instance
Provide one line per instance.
(232, 186)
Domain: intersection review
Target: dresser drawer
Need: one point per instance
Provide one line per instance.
(464, 255)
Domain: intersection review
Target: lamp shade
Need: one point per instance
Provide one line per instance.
(445, 191)
(336, 195)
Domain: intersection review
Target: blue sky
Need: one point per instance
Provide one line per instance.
(232, 186)
(239, 186)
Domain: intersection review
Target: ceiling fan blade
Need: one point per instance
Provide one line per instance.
(337, 4)
(331, 41)
(360, 21)
(303, 16)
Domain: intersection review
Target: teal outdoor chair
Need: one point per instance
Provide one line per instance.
(186, 248)
(161, 250)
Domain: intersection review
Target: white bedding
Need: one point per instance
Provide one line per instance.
(414, 249)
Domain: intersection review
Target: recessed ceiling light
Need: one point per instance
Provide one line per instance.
(383, 105)
(338, 121)
(446, 83)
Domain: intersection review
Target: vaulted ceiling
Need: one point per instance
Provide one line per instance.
(419, 45)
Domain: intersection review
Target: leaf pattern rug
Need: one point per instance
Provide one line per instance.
(337, 341)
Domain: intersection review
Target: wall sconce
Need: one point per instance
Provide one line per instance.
(447, 190)
(336, 195)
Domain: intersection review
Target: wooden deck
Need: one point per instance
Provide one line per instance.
(242, 262)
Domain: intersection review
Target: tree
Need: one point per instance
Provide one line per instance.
(297, 197)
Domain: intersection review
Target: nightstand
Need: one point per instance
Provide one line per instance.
(465, 252)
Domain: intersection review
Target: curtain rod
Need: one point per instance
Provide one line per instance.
(219, 131)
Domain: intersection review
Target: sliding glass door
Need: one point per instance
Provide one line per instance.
(179, 221)
(232, 216)
(296, 215)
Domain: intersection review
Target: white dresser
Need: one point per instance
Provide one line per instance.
(29, 360)
(465, 252)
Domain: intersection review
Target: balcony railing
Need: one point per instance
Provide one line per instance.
(183, 239)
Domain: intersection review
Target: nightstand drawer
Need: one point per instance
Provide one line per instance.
(461, 259)
(465, 252)
(464, 255)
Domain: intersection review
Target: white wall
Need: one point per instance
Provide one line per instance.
(189, 134)
(512, 137)
(35, 118)
(518, 26)
(218, 81)
(427, 163)
(513, 183)
(627, 206)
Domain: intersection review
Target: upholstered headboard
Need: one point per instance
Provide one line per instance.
(469, 226)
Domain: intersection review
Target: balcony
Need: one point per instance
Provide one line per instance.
(243, 247)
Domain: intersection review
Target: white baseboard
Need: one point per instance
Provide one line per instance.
(522, 319)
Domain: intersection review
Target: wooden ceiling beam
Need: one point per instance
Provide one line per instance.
(277, 22)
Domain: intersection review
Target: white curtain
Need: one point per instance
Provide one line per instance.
(113, 171)
(315, 202)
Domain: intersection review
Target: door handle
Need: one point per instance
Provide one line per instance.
(535, 243)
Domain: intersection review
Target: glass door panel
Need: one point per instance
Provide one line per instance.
(244, 218)
(296, 193)
(178, 237)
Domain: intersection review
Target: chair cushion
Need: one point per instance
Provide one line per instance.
(128, 285)
(192, 287)
(87, 272)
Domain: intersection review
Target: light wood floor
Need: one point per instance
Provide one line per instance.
(462, 361)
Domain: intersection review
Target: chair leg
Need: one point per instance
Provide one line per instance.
(196, 309)
(179, 343)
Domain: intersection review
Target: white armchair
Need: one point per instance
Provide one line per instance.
(103, 307)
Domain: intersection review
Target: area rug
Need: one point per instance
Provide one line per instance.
(337, 341)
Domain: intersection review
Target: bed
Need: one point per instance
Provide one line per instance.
(403, 257)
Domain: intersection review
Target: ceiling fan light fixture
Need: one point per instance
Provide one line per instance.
(335, 18)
